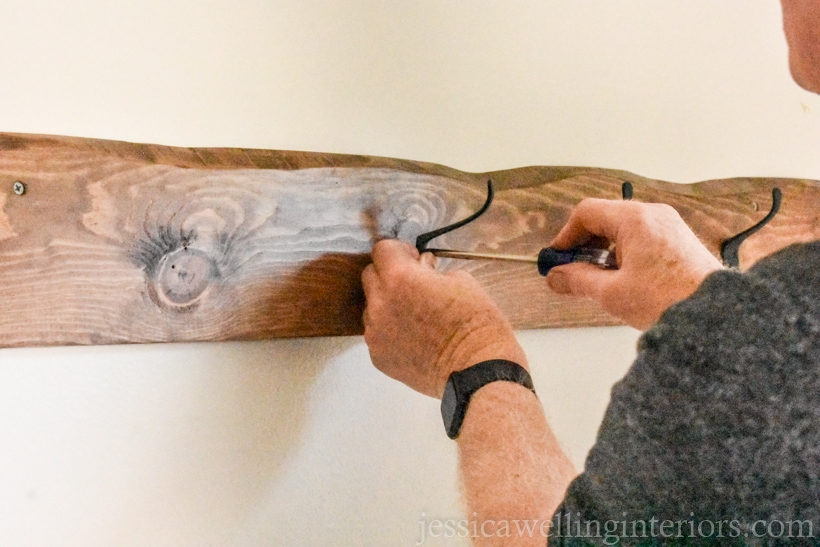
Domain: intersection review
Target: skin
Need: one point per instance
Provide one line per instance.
(801, 23)
(421, 325)
(660, 260)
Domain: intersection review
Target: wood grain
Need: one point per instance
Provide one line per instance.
(115, 242)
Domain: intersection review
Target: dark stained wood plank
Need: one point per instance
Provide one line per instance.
(125, 243)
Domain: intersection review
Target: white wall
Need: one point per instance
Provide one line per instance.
(302, 442)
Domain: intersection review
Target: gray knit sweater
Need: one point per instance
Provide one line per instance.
(716, 427)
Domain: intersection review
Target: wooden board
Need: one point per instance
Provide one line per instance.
(126, 243)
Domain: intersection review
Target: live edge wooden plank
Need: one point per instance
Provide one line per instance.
(115, 242)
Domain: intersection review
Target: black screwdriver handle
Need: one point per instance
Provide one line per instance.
(549, 258)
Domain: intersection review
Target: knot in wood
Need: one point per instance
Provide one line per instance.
(183, 276)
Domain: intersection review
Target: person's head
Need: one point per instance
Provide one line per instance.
(801, 20)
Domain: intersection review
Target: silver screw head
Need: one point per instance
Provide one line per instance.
(19, 188)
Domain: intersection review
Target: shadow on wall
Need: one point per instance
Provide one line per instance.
(241, 423)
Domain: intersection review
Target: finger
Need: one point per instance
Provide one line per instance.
(428, 260)
(579, 279)
(593, 217)
(392, 251)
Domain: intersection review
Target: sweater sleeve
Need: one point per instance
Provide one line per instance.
(716, 427)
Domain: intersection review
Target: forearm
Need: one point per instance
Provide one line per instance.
(420, 327)
(511, 465)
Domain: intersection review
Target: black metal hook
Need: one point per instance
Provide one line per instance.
(730, 247)
(424, 239)
(626, 191)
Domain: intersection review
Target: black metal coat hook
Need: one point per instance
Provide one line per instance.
(730, 247)
(424, 239)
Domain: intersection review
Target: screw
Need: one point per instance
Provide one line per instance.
(19, 188)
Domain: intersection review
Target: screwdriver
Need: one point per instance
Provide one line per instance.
(547, 258)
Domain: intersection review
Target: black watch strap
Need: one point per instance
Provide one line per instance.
(463, 384)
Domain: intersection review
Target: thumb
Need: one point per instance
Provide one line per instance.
(428, 260)
(579, 279)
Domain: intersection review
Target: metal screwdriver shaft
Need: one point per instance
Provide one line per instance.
(547, 259)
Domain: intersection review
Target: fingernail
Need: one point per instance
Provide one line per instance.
(558, 282)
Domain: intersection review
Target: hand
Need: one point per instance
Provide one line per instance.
(420, 325)
(660, 260)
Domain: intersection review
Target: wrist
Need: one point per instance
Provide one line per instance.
(481, 345)
(463, 385)
(497, 403)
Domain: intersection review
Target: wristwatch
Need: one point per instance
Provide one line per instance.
(462, 384)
